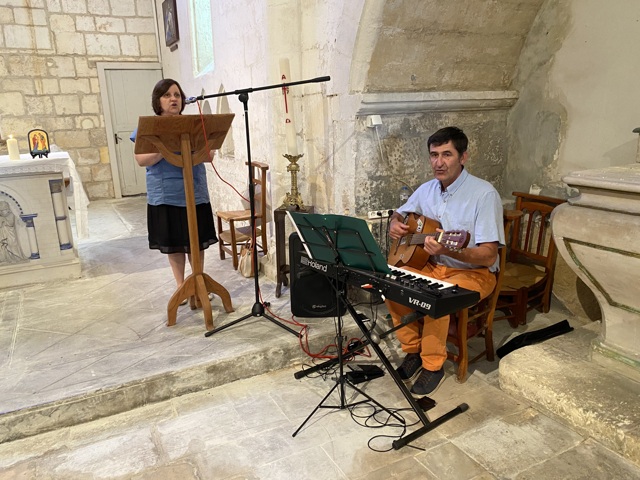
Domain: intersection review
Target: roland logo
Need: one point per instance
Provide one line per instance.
(307, 262)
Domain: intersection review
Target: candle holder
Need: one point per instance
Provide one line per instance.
(293, 198)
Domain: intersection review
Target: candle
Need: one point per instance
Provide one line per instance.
(292, 141)
(12, 146)
(290, 127)
(285, 73)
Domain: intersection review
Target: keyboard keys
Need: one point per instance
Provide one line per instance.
(424, 281)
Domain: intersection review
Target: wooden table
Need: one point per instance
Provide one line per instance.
(282, 267)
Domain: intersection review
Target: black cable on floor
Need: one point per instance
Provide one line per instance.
(372, 420)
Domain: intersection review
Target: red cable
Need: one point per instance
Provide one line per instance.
(206, 140)
(304, 330)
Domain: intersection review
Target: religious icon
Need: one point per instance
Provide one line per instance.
(170, 17)
(38, 143)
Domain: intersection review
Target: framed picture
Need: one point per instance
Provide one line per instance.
(38, 143)
(170, 17)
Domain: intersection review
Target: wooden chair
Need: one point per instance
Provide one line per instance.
(531, 260)
(235, 234)
(477, 320)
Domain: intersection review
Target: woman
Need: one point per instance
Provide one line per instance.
(167, 208)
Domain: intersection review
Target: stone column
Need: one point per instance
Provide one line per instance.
(60, 211)
(31, 232)
(597, 234)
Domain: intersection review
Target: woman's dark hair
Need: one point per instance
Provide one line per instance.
(160, 89)
(449, 134)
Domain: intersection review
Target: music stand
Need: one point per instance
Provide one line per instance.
(184, 134)
(345, 244)
(320, 239)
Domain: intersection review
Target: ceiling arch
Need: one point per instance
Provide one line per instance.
(439, 45)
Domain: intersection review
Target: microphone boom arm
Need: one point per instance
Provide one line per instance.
(257, 89)
(258, 309)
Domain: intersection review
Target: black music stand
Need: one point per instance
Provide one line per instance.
(345, 244)
(323, 243)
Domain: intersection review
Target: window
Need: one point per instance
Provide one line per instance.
(201, 36)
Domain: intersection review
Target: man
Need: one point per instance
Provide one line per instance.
(459, 201)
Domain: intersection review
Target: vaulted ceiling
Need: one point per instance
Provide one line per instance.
(447, 45)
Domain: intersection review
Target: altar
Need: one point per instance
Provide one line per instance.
(36, 239)
(57, 162)
(596, 233)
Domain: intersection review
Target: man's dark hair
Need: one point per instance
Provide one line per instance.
(160, 89)
(454, 135)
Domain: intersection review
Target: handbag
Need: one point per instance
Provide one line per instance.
(245, 261)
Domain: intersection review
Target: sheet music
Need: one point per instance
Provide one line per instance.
(339, 239)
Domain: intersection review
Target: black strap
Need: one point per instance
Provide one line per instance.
(536, 336)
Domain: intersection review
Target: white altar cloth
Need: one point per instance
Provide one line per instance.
(57, 162)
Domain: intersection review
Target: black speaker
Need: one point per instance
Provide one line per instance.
(312, 293)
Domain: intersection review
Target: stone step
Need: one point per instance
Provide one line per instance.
(561, 377)
(282, 350)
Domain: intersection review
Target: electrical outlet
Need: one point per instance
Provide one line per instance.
(374, 120)
(379, 213)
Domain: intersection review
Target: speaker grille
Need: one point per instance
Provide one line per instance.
(312, 293)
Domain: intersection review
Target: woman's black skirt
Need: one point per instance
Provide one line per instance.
(169, 229)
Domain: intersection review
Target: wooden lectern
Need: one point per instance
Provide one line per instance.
(176, 137)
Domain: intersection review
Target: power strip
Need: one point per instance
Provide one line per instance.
(379, 213)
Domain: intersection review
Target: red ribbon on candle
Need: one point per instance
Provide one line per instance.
(290, 129)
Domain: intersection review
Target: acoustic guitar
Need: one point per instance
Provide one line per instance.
(407, 250)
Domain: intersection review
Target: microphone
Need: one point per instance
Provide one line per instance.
(189, 100)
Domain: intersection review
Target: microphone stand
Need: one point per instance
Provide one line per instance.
(258, 309)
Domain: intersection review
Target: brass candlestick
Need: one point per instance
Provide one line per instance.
(293, 198)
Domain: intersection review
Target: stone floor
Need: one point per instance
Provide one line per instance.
(94, 385)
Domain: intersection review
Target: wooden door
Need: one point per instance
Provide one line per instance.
(129, 93)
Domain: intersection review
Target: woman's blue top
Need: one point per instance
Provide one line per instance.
(165, 183)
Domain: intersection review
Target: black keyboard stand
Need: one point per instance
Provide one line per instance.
(427, 425)
(319, 239)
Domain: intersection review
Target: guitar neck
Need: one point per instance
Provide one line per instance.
(419, 238)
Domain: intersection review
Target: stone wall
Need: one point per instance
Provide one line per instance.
(577, 105)
(537, 122)
(431, 45)
(397, 153)
(48, 75)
